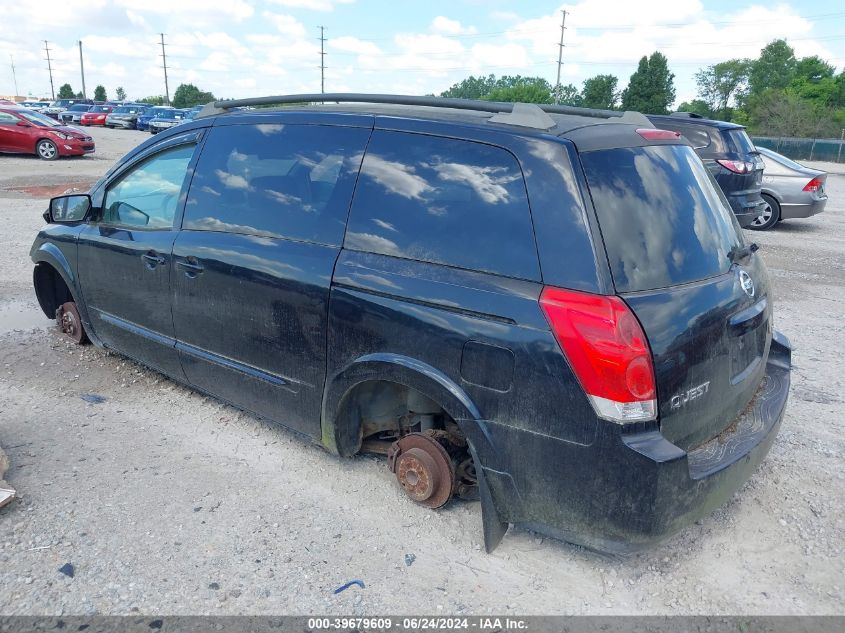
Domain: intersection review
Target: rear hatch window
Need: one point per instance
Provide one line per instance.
(662, 218)
(741, 141)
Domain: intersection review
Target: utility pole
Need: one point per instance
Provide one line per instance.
(560, 56)
(50, 68)
(82, 70)
(164, 65)
(14, 76)
(322, 62)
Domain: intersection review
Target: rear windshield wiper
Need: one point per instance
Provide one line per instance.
(739, 253)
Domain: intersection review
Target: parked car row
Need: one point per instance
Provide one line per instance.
(133, 116)
(761, 186)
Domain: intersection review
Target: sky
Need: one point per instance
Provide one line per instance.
(244, 48)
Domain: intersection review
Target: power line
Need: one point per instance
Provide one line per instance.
(50, 69)
(322, 61)
(164, 66)
(560, 56)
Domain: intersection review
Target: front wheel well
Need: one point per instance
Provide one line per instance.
(50, 289)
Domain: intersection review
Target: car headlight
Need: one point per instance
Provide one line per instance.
(63, 136)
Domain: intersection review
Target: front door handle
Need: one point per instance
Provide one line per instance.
(153, 259)
(191, 266)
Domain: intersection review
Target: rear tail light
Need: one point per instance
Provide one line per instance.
(652, 134)
(737, 166)
(814, 185)
(608, 351)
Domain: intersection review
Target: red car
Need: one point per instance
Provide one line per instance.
(23, 131)
(96, 115)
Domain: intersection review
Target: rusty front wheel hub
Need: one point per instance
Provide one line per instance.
(423, 468)
(67, 316)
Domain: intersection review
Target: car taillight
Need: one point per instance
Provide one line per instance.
(651, 134)
(737, 166)
(608, 351)
(814, 185)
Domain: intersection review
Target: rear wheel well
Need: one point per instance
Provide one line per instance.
(50, 289)
(377, 414)
(383, 411)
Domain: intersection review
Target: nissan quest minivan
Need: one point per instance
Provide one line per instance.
(550, 309)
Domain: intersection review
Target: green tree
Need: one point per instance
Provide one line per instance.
(471, 88)
(774, 69)
(784, 113)
(697, 106)
(120, 94)
(569, 95)
(519, 88)
(651, 87)
(100, 93)
(719, 83)
(524, 93)
(188, 95)
(600, 92)
(66, 92)
(813, 69)
(154, 100)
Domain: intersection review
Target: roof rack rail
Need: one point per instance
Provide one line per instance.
(522, 117)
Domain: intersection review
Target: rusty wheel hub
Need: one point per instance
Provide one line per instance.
(423, 468)
(67, 316)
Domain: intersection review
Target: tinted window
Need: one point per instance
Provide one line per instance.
(8, 119)
(741, 141)
(697, 135)
(661, 216)
(445, 201)
(148, 194)
(289, 181)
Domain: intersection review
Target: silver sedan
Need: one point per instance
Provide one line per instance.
(789, 189)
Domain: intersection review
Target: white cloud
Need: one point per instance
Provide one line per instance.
(285, 24)
(311, 5)
(446, 26)
(354, 45)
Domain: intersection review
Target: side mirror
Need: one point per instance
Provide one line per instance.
(24, 124)
(68, 209)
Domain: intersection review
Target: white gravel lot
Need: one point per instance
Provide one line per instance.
(166, 501)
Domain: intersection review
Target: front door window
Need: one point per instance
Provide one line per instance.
(148, 195)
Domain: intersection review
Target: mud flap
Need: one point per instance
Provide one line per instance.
(492, 525)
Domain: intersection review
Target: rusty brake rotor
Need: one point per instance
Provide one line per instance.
(67, 316)
(423, 468)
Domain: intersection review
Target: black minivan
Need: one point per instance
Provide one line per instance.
(551, 309)
(727, 151)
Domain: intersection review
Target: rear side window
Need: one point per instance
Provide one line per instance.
(274, 180)
(661, 217)
(444, 201)
(741, 141)
(696, 135)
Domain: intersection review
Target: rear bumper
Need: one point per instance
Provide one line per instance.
(629, 490)
(805, 210)
(747, 207)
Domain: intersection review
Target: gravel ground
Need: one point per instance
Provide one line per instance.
(166, 501)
